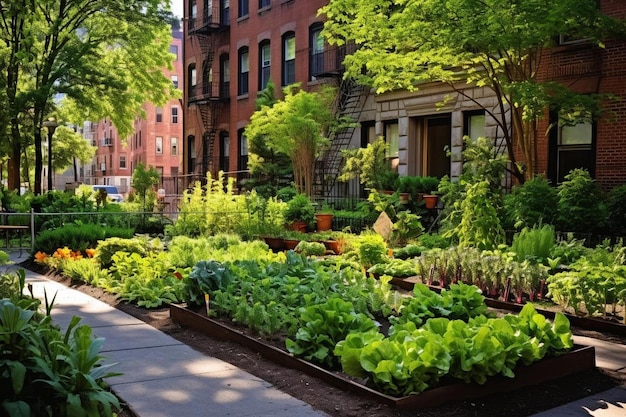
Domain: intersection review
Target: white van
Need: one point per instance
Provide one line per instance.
(111, 191)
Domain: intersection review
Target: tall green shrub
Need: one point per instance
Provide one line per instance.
(77, 237)
(531, 203)
(480, 225)
(616, 208)
(580, 206)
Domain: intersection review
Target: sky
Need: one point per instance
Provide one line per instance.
(177, 7)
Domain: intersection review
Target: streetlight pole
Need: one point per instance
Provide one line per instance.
(51, 126)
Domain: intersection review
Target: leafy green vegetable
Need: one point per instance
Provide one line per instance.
(323, 326)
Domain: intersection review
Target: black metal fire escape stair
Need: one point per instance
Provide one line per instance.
(207, 103)
(349, 102)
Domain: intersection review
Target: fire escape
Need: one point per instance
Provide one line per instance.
(208, 95)
(349, 103)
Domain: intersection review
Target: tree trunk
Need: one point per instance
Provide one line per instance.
(15, 157)
(38, 161)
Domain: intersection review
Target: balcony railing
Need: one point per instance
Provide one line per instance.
(330, 61)
(213, 91)
(212, 20)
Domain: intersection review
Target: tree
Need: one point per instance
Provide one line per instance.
(269, 170)
(497, 44)
(68, 146)
(144, 180)
(106, 56)
(296, 127)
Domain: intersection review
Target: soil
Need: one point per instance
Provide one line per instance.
(338, 403)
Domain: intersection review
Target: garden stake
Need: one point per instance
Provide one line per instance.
(206, 301)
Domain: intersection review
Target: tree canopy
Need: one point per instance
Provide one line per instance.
(497, 44)
(107, 57)
(297, 127)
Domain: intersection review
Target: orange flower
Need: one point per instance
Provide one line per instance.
(77, 255)
(90, 253)
(62, 253)
(40, 257)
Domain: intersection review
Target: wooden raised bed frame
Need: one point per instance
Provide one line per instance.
(580, 359)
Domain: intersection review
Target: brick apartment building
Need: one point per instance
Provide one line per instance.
(156, 141)
(231, 50)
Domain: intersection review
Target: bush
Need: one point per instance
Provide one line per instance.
(371, 249)
(580, 204)
(109, 247)
(44, 372)
(616, 207)
(530, 204)
(77, 237)
(311, 248)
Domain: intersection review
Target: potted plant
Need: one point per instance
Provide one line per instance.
(300, 212)
(430, 186)
(324, 218)
(409, 187)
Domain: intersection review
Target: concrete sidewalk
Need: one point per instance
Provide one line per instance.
(163, 377)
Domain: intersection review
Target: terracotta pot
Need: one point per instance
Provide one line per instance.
(430, 201)
(275, 243)
(299, 226)
(324, 221)
(404, 198)
(335, 246)
(290, 244)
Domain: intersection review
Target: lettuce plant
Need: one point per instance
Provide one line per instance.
(323, 326)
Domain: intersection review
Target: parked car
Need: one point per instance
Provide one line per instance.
(111, 191)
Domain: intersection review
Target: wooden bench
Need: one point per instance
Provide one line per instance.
(9, 228)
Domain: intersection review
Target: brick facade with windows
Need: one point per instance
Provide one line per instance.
(417, 127)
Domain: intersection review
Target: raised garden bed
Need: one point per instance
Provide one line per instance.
(588, 323)
(580, 359)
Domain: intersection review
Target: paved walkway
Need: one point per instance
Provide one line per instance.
(164, 378)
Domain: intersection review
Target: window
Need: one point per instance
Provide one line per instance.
(207, 12)
(122, 161)
(316, 61)
(474, 125)
(264, 64)
(243, 8)
(159, 171)
(174, 50)
(224, 76)
(244, 68)
(224, 151)
(289, 58)
(264, 3)
(191, 87)
(174, 114)
(174, 79)
(193, 13)
(174, 171)
(393, 143)
(191, 154)
(572, 146)
(437, 139)
(174, 146)
(225, 12)
(159, 145)
(159, 114)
